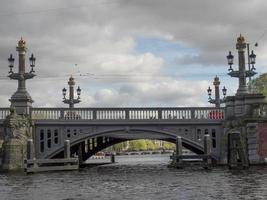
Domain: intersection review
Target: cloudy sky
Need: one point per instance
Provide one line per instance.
(129, 52)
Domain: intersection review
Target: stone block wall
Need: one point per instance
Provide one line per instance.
(14, 155)
(257, 142)
(262, 140)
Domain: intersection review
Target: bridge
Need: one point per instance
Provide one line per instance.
(90, 130)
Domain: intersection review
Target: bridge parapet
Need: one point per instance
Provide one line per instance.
(4, 112)
(163, 113)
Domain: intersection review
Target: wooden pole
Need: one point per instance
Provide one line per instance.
(30, 152)
(179, 151)
(207, 150)
(67, 149)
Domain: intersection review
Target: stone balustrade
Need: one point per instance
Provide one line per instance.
(4, 112)
(163, 113)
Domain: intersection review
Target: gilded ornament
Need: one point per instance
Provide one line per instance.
(21, 43)
(240, 39)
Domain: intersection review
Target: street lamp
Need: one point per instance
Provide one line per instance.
(224, 90)
(32, 63)
(230, 59)
(217, 101)
(11, 64)
(252, 60)
(21, 99)
(79, 92)
(71, 100)
(209, 92)
(242, 73)
(64, 93)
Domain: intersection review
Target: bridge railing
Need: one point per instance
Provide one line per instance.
(164, 113)
(4, 112)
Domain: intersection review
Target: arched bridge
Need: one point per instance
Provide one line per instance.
(93, 129)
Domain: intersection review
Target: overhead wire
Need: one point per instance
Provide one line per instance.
(123, 76)
(261, 36)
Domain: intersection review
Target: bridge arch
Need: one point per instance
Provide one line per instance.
(118, 135)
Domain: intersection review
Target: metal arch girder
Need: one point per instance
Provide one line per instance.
(195, 147)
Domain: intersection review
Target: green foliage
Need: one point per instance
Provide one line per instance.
(260, 84)
(141, 145)
(119, 147)
(151, 145)
(168, 145)
(138, 145)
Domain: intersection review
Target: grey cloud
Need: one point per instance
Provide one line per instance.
(63, 33)
(210, 26)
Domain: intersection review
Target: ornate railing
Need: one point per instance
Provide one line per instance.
(4, 112)
(164, 113)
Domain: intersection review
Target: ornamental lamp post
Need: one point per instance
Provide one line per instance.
(11, 63)
(242, 73)
(230, 59)
(71, 101)
(32, 63)
(21, 99)
(252, 60)
(78, 92)
(64, 93)
(217, 101)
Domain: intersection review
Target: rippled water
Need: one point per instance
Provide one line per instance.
(137, 177)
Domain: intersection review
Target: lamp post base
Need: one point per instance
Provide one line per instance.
(22, 102)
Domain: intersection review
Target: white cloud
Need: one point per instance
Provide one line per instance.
(169, 93)
(100, 36)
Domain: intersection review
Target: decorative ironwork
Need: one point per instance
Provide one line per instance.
(242, 73)
(217, 101)
(71, 100)
(21, 99)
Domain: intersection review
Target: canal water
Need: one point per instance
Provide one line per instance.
(145, 177)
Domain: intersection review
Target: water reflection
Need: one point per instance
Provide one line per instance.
(137, 177)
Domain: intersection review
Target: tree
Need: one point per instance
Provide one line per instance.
(260, 84)
(151, 145)
(119, 147)
(168, 145)
(138, 145)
